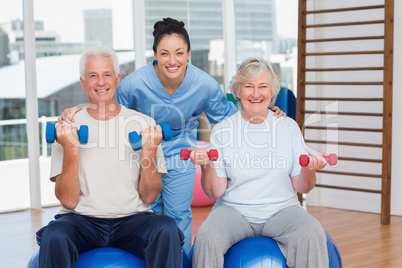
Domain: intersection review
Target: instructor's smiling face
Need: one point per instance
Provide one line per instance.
(172, 55)
(255, 97)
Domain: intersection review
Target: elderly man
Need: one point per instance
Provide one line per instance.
(105, 188)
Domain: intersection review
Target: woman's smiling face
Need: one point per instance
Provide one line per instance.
(172, 56)
(255, 97)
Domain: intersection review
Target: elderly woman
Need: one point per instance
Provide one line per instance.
(257, 176)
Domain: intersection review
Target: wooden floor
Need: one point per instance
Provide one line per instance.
(360, 238)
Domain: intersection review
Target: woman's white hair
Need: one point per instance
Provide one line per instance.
(251, 69)
(99, 51)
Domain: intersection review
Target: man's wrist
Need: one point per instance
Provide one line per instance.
(151, 153)
(72, 150)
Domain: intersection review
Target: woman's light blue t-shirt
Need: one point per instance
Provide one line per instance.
(258, 160)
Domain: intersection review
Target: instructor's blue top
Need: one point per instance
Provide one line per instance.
(199, 92)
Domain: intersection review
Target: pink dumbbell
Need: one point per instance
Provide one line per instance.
(212, 154)
(332, 159)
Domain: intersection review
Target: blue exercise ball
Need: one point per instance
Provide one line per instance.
(334, 257)
(187, 261)
(259, 252)
(33, 262)
(255, 252)
(107, 257)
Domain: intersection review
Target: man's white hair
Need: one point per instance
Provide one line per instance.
(99, 51)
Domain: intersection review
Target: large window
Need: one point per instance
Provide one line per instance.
(12, 95)
(63, 29)
(268, 30)
(13, 138)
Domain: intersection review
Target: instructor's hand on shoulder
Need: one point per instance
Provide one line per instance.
(278, 112)
(68, 115)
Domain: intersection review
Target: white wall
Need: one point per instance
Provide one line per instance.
(350, 199)
(14, 185)
(396, 184)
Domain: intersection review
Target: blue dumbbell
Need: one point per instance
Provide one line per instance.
(135, 139)
(51, 133)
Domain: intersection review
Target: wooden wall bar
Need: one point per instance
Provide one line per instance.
(318, 84)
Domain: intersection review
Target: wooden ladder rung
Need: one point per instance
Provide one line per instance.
(357, 144)
(342, 53)
(340, 99)
(360, 159)
(343, 69)
(343, 39)
(344, 128)
(379, 83)
(342, 9)
(341, 113)
(355, 23)
(350, 174)
(348, 188)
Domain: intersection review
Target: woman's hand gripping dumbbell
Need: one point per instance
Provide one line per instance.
(212, 154)
(135, 139)
(51, 134)
(331, 159)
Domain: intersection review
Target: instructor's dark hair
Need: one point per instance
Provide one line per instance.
(169, 26)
